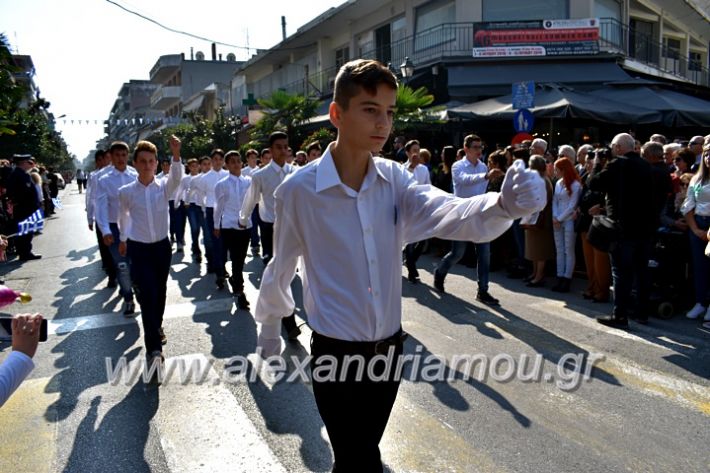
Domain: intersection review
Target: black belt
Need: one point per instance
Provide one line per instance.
(378, 347)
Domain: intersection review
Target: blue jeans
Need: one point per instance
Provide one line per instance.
(197, 221)
(701, 263)
(629, 264)
(123, 270)
(483, 255)
(213, 245)
(564, 246)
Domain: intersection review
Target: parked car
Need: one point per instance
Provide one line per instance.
(60, 181)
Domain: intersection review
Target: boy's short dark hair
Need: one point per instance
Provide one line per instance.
(264, 151)
(277, 135)
(470, 139)
(99, 154)
(217, 151)
(251, 151)
(365, 74)
(204, 158)
(119, 145)
(232, 154)
(312, 146)
(409, 144)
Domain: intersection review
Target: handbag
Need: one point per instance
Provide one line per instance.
(604, 233)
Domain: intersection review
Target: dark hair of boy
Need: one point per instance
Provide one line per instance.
(232, 155)
(312, 146)
(361, 74)
(119, 145)
(217, 151)
(264, 151)
(251, 151)
(204, 158)
(277, 135)
(409, 145)
(99, 154)
(470, 139)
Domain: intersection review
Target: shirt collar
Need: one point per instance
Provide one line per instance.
(278, 168)
(327, 176)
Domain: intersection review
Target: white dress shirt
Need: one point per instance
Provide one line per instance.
(563, 204)
(91, 185)
(263, 184)
(193, 193)
(697, 198)
(229, 196)
(249, 171)
(420, 173)
(351, 244)
(107, 196)
(144, 209)
(16, 367)
(206, 183)
(469, 180)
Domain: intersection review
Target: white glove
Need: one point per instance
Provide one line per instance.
(523, 191)
(269, 346)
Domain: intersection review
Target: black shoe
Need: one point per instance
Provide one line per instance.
(294, 333)
(540, 283)
(255, 251)
(413, 275)
(486, 298)
(156, 357)
(528, 278)
(111, 283)
(163, 338)
(613, 321)
(438, 281)
(242, 302)
(30, 257)
(220, 283)
(561, 286)
(130, 309)
(641, 319)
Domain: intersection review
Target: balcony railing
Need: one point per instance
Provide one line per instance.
(620, 38)
(165, 97)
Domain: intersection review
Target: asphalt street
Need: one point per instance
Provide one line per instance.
(644, 406)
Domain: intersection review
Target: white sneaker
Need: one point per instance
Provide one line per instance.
(696, 311)
(707, 315)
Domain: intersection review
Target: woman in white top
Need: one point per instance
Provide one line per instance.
(413, 251)
(564, 203)
(696, 209)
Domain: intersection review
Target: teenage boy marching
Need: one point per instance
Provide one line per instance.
(348, 215)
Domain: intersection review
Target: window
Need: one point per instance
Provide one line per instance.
(342, 56)
(515, 10)
(429, 17)
(695, 62)
(607, 9)
(671, 48)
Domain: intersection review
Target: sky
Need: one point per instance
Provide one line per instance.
(84, 50)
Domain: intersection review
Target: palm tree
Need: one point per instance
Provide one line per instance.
(410, 113)
(283, 111)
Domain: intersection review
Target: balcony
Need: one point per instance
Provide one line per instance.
(165, 68)
(166, 97)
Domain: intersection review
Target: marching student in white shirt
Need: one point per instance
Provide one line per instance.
(251, 167)
(264, 183)
(107, 217)
(413, 251)
(144, 235)
(102, 160)
(213, 246)
(229, 195)
(348, 215)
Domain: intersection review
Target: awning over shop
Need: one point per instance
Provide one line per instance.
(481, 79)
(559, 102)
(677, 109)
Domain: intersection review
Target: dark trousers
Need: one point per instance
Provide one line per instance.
(412, 252)
(178, 216)
(197, 221)
(106, 259)
(150, 266)
(355, 412)
(255, 222)
(267, 238)
(629, 265)
(23, 244)
(213, 246)
(236, 242)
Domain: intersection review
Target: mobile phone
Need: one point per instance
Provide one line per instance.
(6, 329)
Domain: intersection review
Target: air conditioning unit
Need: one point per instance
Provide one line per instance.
(200, 56)
(231, 57)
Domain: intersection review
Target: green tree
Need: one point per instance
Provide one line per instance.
(283, 111)
(410, 109)
(324, 136)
